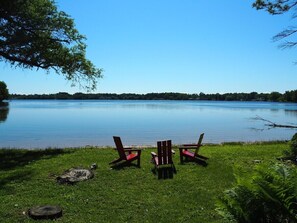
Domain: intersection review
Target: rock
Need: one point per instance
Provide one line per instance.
(94, 166)
(257, 161)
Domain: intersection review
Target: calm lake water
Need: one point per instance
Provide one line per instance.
(64, 123)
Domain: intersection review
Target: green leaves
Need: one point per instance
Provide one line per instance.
(292, 152)
(34, 34)
(277, 7)
(274, 7)
(3, 91)
(270, 196)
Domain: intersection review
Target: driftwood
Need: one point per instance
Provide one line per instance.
(273, 124)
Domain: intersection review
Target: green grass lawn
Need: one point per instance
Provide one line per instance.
(129, 194)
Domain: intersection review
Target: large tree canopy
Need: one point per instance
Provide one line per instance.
(34, 34)
(277, 7)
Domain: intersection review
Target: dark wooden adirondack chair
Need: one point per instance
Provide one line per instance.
(126, 155)
(185, 151)
(163, 160)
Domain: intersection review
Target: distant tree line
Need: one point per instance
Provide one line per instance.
(288, 96)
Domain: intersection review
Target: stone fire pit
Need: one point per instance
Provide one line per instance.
(75, 175)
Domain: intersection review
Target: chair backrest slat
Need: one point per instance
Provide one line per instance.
(169, 152)
(199, 143)
(164, 152)
(120, 147)
(160, 159)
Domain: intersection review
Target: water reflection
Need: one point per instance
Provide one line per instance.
(292, 113)
(59, 123)
(4, 110)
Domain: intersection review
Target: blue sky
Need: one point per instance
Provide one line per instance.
(188, 46)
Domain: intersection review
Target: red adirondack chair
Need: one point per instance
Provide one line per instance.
(163, 160)
(185, 151)
(126, 155)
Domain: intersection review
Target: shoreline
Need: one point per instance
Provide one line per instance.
(270, 142)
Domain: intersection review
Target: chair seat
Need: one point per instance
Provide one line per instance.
(188, 153)
(191, 155)
(131, 156)
(125, 154)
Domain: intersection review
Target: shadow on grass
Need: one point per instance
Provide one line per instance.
(13, 158)
(197, 161)
(123, 165)
(164, 173)
(15, 178)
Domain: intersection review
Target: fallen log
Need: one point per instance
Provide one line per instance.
(273, 124)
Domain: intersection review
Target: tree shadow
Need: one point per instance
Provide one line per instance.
(15, 177)
(13, 158)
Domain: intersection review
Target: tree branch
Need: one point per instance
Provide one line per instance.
(273, 124)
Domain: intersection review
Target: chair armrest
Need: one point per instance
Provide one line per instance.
(125, 148)
(187, 147)
(193, 144)
(131, 150)
(153, 154)
(128, 148)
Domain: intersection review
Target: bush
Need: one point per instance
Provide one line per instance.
(270, 196)
(293, 147)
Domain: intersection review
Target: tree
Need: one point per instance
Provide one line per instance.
(3, 91)
(277, 7)
(34, 34)
(275, 96)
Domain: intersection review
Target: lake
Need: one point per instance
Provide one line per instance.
(73, 123)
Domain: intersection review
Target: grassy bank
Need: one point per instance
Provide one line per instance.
(130, 194)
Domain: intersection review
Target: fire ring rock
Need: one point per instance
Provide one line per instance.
(45, 212)
(74, 175)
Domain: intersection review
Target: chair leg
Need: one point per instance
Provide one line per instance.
(170, 172)
(202, 157)
(174, 169)
(160, 173)
(138, 161)
(115, 161)
(181, 157)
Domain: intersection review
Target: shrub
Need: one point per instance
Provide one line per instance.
(293, 147)
(269, 196)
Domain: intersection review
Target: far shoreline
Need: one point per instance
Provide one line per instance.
(288, 96)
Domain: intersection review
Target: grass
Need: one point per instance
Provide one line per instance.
(129, 194)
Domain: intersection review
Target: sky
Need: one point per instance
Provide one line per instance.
(186, 46)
